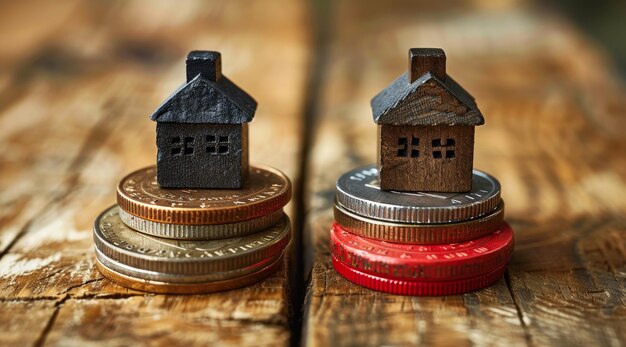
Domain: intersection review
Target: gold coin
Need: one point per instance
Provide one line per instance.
(117, 241)
(188, 288)
(266, 190)
(420, 233)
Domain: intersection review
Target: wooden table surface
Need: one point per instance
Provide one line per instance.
(79, 79)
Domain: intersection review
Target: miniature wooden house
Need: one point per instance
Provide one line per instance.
(426, 128)
(202, 130)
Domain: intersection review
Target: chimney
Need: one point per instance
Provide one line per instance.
(423, 60)
(206, 63)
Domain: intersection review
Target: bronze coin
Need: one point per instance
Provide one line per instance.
(420, 233)
(188, 288)
(266, 190)
(138, 273)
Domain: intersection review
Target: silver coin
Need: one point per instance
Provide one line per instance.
(117, 241)
(200, 232)
(178, 278)
(359, 191)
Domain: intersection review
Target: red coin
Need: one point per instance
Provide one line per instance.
(401, 287)
(443, 262)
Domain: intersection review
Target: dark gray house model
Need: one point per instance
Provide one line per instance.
(202, 129)
(426, 128)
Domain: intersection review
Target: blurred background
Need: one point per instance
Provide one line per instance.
(603, 21)
(79, 79)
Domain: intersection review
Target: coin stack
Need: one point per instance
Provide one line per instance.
(193, 240)
(419, 243)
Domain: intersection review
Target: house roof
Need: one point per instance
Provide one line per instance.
(203, 101)
(426, 101)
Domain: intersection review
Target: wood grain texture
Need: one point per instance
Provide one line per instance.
(423, 60)
(75, 100)
(165, 321)
(427, 101)
(76, 90)
(425, 158)
(22, 320)
(552, 137)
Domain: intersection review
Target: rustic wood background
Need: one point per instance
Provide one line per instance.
(79, 79)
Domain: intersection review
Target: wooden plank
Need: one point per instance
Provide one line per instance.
(80, 123)
(551, 136)
(169, 320)
(575, 293)
(22, 320)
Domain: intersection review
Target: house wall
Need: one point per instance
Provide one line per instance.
(426, 158)
(201, 155)
(245, 153)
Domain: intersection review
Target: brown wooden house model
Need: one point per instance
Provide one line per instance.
(426, 128)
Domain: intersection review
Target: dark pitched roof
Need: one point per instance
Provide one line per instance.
(427, 101)
(203, 101)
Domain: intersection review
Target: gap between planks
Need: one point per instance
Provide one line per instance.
(518, 309)
(97, 136)
(310, 108)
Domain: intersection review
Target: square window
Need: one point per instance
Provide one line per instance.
(450, 154)
(403, 152)
(210, 149)
(223, 139)
(176, 139)
(189, 139)
(222, 149)
(437, 154)
(210, 138)
(188, 150)
(415, 153)
(450, 142)
(175, 151)
(436, 143)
